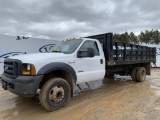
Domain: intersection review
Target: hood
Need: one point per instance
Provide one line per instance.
(41, 57)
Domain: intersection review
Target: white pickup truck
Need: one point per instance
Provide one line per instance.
(55, 74)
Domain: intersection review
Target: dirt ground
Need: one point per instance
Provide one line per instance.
(110, 99)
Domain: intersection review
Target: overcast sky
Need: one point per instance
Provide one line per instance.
(61, 19)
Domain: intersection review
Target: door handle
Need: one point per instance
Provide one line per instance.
(101, 61)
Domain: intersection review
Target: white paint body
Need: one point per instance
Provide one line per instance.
(87, 69)
(9, 46)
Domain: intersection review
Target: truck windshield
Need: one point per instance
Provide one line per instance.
(68, 46)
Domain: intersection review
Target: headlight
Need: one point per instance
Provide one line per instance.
(28, 69)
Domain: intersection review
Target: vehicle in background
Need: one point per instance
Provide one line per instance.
(157, 46)
(17, 45)
(75, 61)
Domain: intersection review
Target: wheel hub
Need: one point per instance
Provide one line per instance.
(143, 75)
(56, 94)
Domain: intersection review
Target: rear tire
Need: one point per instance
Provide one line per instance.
(55, 94)
(141, 74)
(133, 74)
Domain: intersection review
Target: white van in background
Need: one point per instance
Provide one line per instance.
(16, 45)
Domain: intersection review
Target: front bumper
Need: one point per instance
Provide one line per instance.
(22, 85)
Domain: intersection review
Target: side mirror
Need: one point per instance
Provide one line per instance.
(90, 52)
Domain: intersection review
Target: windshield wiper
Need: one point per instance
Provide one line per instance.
(56, 51)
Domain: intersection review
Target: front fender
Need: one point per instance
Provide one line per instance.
(58, 66)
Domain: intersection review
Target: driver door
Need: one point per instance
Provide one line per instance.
(89, 68)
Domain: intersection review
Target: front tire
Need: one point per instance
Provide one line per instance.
(55, 94)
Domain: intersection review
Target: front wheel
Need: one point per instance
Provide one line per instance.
(55, 94)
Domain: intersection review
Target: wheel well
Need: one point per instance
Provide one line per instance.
(58, 73)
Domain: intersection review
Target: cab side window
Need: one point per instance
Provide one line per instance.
(90, 44)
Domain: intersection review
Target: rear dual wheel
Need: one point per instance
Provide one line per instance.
(138, 74)
(133, 73)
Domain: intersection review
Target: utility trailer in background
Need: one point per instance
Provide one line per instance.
(17, 45)
(124, 58)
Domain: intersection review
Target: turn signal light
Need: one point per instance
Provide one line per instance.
(29, 70)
